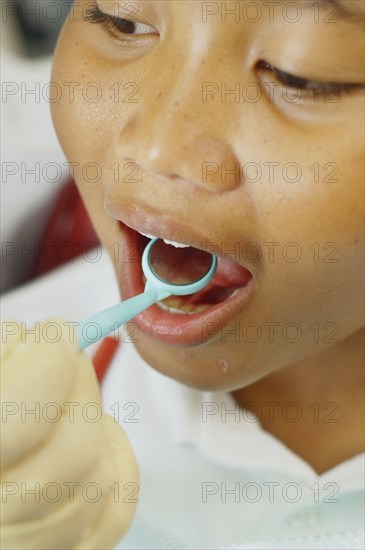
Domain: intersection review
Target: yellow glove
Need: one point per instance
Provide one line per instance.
(69, 479)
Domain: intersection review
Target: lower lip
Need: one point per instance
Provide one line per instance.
(177, 329)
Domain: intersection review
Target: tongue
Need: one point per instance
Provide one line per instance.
(187, 265)
(230, 274)
(178, 265)
(227, 278)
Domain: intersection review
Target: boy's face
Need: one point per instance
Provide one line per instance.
(215, 117)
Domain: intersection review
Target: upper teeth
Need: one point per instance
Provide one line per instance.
(177, 245)
(173, 243)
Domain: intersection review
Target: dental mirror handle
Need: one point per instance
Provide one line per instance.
(101, 324)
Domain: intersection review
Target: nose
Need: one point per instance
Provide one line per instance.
(177, 135)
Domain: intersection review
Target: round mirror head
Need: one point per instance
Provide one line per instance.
(179, 270)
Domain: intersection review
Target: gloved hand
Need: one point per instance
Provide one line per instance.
(69, 477)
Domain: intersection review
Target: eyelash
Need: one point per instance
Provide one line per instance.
(112, 24)
(313, 87)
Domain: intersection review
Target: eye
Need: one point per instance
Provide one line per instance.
(308, 87)
(116, 25)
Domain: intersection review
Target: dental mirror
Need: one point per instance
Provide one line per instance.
(169, 271)
(179, 271)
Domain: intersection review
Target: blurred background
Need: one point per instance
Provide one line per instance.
(41, 211)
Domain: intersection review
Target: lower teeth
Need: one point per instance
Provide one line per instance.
(182, 308)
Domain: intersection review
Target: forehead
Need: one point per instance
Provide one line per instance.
(352, 11)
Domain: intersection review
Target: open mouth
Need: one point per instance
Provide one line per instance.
(182, 320)
(227, 280)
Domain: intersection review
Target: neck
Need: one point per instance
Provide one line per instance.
(316, 406)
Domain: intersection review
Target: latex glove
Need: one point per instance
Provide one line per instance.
(69, 443)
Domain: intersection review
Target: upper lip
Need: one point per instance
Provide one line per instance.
(163, 226)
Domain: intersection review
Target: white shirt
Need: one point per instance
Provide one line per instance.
(210, 475)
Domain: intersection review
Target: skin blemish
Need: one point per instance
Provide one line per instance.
(223, 363)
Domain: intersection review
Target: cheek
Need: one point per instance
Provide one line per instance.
(83, 126)
(313, 262)
(84, 116)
